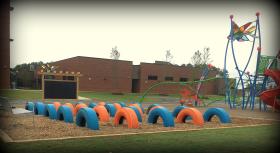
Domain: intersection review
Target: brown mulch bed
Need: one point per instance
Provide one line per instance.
(22, 127)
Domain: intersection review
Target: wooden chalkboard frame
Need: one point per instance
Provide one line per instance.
(57, 81)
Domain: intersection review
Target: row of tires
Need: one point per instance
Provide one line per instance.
(90, 115)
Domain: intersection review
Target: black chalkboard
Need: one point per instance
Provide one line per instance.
(60, 90)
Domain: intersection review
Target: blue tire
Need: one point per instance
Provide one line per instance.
(29, 106)
(64, 113)
(151, 106)
(122, 104)
(87, 117)
(50, 111)
(39, 108)
(140, 104)
(139, 117)
(92, 104)
(177, 110)
(162, 112)
(111, 109)
(219, 112)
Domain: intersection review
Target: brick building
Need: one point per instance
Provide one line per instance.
(5, 45)
(100, 75)
(118, 76)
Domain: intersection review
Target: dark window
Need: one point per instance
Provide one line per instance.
(68, 77)
(152, 77)
(49, 77)
(184, 79)
(168, 78)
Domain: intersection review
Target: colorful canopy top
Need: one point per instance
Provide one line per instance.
(240, 33)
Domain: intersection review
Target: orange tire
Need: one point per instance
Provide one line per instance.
(138, 107)
(117, 106)
(155, 108)
(56, 105)
(102, 113)
(101, 103)
(196, 115)
(79, 106)
(129, 115)
(71, 107)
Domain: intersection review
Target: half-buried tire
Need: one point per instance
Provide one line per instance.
(102, 113)
(195, 114)
(122, 104)
(56, 105)
(138, 107)
(117, 106)
(92, 105)
(79, 106)
(29, 106)
(87, 117)
(162, 112)
(39, 108)
(219, 112)
(111, 109)
(151, 106)
(126, 114)
(71, 107)
(50, 111)
(64, 113)
(176, 110)
(139, 117)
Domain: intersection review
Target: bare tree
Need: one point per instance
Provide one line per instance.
(196, 58)
(168, 56)
(115, 54)
(201, 58)
(206, 56)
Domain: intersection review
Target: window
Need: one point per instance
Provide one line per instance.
(168, 78)
(68, 77)
(184, 79)
(152, 77)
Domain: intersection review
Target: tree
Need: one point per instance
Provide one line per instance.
(115, 54)
(201, 58)
(206, 56)
(168, 56)
(196, 58)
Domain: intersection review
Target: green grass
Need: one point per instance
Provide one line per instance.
(99, 96)
(250, 139)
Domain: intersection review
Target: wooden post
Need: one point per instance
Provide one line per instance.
(77, 82)
(43, 86)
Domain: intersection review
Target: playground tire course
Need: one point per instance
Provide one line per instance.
(79, 106)
(139, 116)
(29, 106)
(39, 108)
(162, 112)
(219, 112)
(92, 105)
(64, 113)
(102, 113)
(87, 117)
(117, 106)
(151, 106)
(111, 109)
(56, 105)
(101, 103)
(129, 115)
(71, 107)
(50, 111)
(195, 114)
(177, 110)
(138, 107)
(122, 104)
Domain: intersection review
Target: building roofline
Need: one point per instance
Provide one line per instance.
(91, 58)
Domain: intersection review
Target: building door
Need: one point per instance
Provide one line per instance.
(135, 85)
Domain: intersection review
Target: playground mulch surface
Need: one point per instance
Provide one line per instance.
(22, 127)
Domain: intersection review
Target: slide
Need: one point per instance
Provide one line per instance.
(271, 96)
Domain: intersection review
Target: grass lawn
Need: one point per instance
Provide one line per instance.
(127, 97)
(248, 140)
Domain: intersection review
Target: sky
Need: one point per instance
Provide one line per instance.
(142, 32)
